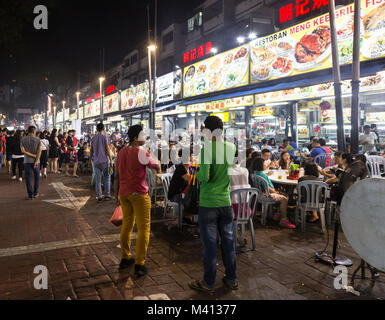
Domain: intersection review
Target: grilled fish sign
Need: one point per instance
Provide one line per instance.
(306, 47)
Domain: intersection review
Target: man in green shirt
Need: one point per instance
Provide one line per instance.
(215, 210)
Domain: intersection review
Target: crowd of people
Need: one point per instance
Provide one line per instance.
(120, 163)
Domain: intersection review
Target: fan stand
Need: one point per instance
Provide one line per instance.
(334, 259)
(363, 266)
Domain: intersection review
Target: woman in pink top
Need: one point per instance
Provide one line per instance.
(131, 192)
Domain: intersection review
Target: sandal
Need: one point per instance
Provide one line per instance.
(230, 285)
(199, 286)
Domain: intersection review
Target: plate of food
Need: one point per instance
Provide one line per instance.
(285, 47)
(282, 67)
(346, 87)
(201, 72)
(345, 51)
(261, 72)
(228, 60)
(305, 92)
(241, 54)
(264, 55)
(236, 73)
(325, 89)
(345, 28)
(313, 48)
(190, 73)
(374, 47)
(374, 20)
(216, 81)
(374, 82)
(201, 87)
(216, 65)
(189, 89)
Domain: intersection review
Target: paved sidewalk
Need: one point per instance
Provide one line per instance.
(67, 231)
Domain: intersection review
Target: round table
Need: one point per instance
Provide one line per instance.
(284, 173)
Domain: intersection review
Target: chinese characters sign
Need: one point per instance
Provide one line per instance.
(299, 8)
(197, 53)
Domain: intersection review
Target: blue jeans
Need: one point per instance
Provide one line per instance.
(1, 160)
(101, 170)
(29, 171)
(211, 221)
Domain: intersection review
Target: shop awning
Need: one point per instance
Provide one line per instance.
(296, 82)
(161, 108)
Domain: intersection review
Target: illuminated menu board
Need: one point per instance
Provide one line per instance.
(223, 71)
(111, 103)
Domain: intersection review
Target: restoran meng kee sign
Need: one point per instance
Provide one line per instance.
(306, 47)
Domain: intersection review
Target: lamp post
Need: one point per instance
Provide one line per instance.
(48, 109)
(64, 114)
(54, 117)
(101, 80)
(151, 48)
(77, 99)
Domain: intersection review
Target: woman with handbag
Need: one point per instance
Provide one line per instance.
(131, 192)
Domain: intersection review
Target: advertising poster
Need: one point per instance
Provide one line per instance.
(111, 103)
(81, 113)
(165, 88)
(306, 47)
(373, 117)
(220, 72)
(95, 108)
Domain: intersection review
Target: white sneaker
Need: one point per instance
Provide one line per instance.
(21, 179)
(14, 178)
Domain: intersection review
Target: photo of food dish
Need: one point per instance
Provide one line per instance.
(345, 51)
(236, 73)
(201, 87)
(263, 55)
(189, 89)
(216, 65)
(374, 20)
(305, 92)
(323, 89)
(242, 53)
(374, 47)
(216, 81)
(285, 47)
(261, 72)
(313, 48)
(228, 59)
(346, 28)
(201, 70)
(372, 82)
(282, 67)
(190, 73)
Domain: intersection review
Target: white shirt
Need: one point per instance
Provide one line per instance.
(44, 144)
(239, 179)
(369, 139)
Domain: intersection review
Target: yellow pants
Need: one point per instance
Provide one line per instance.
(136, 207)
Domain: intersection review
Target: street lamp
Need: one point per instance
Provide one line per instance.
(214, 50)
(49, 106)
(151, 48)
(64, 104)
(101, 80)
(241, 40)
(252, 36)
(77, 98)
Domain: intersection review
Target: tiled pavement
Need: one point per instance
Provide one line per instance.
(79, 248)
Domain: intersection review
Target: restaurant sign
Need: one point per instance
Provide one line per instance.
(169, 87)
(373, 117)
(306, 47)
(223, 71)
(92, 109)
(135, 97)
(222, 104)
(262, 112)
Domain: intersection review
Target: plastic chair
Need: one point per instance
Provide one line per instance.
(247, 200)
(264, 196)
(374, 164)
(153, 187)
(166, 179)
(315, 194)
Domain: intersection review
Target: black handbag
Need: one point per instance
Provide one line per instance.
(191, 200)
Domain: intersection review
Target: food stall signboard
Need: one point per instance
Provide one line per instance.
(375, 117)
(329, 116)
(81, 113)
(306, 47)
(220, 72)
(262, 112)
(224, 116)
(169, 86)
(111, 103)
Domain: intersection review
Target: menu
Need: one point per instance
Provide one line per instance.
(329, 116)
(223, 71)
(306, 47)
(92, 109)
(375, 117)
(111, 103)
(136, 97)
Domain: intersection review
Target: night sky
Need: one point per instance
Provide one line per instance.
(77, 31)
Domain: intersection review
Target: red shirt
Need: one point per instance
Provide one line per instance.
(2, 143)
(131, 164)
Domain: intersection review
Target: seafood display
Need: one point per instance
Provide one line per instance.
(223, 71)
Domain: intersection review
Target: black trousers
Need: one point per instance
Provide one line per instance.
(20, 164)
